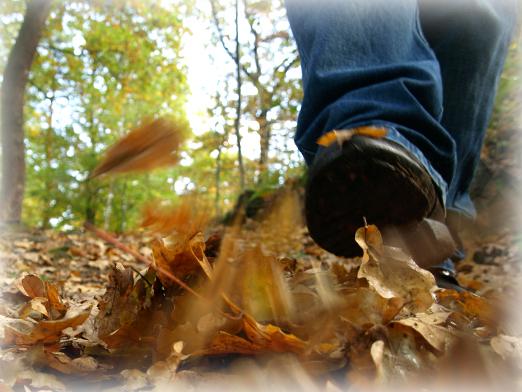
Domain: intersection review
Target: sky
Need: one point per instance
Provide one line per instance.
(201, 57)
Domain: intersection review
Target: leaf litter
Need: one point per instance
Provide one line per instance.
(191, 304)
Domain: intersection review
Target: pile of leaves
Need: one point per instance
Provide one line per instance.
(254, 305)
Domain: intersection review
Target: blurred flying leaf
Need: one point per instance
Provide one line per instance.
(151, 145)
(184, 219)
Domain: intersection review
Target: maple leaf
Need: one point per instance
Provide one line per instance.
(153, 144)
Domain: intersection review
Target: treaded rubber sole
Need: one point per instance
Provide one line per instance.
(365, 178)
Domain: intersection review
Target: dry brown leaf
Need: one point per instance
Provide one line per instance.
(36, 304)
(180, 259)
(134, 379)
(123, 299)
(401, 360)
(33, 380)
(31, 286)
(66, 365)
(56, 307)
(151, 145)
(42, 294)
(340, 136)
(392, 273)
(430, 328)
(46, 331)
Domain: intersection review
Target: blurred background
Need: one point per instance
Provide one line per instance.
(226, 71)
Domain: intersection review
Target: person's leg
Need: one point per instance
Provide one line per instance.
(368, 63)
(470, 39)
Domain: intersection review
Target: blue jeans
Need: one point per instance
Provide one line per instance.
(427, 70)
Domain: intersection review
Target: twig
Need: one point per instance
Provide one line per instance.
(118, 244)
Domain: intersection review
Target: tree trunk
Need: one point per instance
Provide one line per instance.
(48, 196)
(238, 106)
(13, 90)
(264, 142)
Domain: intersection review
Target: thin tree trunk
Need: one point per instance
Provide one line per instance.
(46, 216)
(236, 57)
(238, 106)
(13, 90)
(264, 142)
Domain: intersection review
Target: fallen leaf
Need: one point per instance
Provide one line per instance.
(180, 259)
(151, 145)
(64, 364)
(31, 286)
(40, 381)
(134, 379)
(392, 273)
(429, 326)
(56, 307)
(36, 304)
(116, 307)
(46, 331)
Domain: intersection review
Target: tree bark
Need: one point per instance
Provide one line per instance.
(12, 101)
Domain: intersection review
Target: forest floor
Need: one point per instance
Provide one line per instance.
(80, 268)
(260, 306)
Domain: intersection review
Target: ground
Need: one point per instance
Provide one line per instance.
(87, 270)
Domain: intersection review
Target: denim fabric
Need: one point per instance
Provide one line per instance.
(427, 70)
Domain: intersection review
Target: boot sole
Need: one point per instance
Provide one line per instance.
(365, 178)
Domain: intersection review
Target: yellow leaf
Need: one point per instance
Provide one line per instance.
(344, 135)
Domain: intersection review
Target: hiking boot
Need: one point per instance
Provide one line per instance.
(382, 183)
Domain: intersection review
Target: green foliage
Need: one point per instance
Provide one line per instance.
(99, 71)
